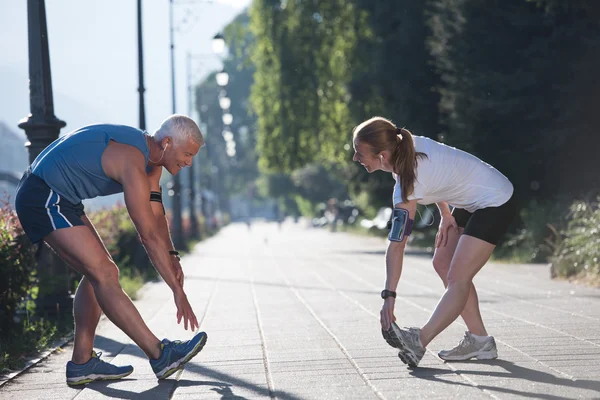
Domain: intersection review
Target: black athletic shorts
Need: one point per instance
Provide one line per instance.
(488, 223)
(41, 210)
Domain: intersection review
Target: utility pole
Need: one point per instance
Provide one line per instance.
(194, 232)
(176, 229)
(141, 89)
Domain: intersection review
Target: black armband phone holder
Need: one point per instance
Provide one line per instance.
(400, 226)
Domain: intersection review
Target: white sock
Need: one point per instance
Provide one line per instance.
(480, 338)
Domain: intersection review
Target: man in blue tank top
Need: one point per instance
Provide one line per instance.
(100, 160)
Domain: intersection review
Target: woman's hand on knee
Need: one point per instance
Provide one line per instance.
(448, 222)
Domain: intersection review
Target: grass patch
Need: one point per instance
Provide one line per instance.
(131, 282)
(30, 337)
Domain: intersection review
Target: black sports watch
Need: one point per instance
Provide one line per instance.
(387, 293)
(175, 253)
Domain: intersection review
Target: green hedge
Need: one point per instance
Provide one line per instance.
(578, 252)
(17, 272)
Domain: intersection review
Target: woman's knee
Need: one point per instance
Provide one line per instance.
(105, 273)
(441, 266)
(455, 278)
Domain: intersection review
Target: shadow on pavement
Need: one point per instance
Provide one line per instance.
(162, 390)
(232, 381)
(512, 371)
(224, 384)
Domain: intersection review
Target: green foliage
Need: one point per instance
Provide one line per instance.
(536, 238)
(514, 82)
(17, 267)
(517, 84)
(300, 91)
(579, 251)
(122, 242)
(32, 336)
(306, 186)
(316, 184)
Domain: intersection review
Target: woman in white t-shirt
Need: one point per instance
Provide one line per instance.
(483, 207)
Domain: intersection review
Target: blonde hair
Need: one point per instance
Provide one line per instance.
(382, 134)
(180, 128)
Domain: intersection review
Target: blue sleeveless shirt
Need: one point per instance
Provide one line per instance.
(72, 164)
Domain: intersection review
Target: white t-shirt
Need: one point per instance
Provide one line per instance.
(456, 177)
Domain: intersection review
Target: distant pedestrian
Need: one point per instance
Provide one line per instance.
(430, 172)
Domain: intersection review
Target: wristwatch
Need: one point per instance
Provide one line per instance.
(175, 253)
(387, 293)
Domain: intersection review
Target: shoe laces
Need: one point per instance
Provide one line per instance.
(97, 357)
(466, 340)
(415, 334)
(167, 341)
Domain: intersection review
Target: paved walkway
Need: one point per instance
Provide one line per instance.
(294, 314)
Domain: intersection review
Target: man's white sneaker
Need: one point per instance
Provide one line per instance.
(470, 347)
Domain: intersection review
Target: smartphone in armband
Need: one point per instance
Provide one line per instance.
(401, 225)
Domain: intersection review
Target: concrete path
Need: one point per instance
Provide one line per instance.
(293, 313)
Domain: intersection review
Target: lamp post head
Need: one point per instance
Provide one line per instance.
(222, 78)
(218, 44)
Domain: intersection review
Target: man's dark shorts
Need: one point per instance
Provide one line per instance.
(41, 210)
(488, 224)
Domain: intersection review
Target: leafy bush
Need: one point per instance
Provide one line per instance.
(578, 253)
(537, 237)
(17, 267)
(121, 240)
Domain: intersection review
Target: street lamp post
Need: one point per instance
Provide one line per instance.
(141, 89)
(222, 79)
(177, 229)
(42, 128)
(194, 231)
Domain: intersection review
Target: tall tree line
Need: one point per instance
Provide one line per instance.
(513, 81)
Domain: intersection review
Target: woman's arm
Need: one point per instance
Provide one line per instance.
(394, 257)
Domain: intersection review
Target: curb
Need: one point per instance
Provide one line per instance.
(57, 344)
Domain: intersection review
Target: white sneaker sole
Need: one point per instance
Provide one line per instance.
(480, 355)
(84, 380)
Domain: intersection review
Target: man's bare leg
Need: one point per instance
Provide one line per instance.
(87, 314)
(79, 247)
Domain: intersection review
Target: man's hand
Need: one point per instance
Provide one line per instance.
(447, 222)
(184, 310)
(178, 270)
(387, 313)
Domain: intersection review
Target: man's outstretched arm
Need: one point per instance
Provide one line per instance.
(161, 218)
(128, 167)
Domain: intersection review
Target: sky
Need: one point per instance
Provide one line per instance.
(93, 56)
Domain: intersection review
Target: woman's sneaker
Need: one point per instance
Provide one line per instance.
(408, 341)
(175, 354)
(95, 370)
(470, 347)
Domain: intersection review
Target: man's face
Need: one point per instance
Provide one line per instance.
(364, 155)
(180, 155)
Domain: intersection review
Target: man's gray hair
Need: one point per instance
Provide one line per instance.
(180, 128)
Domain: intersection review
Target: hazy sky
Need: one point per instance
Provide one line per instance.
(93, 51)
